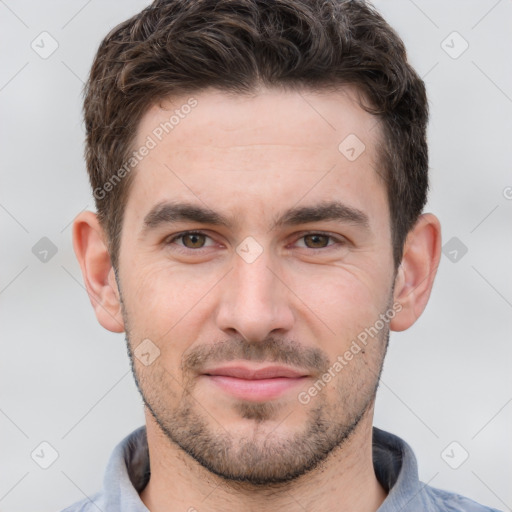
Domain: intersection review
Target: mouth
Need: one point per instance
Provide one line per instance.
(255, 384)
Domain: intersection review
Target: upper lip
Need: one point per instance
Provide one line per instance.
(266, 372)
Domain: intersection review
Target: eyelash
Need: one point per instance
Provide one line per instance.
(340, 241)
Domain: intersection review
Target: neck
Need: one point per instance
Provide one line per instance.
(345, 481)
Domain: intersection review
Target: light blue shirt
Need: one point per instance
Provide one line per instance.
(395, 466)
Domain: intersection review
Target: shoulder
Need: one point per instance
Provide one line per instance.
(92, 504)
(453, 502)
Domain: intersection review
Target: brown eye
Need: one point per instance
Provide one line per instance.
(193, 240)
(316, 241)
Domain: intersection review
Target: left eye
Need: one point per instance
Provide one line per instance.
(316, 241)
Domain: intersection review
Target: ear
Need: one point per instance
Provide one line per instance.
(89, 243)
(416, 273)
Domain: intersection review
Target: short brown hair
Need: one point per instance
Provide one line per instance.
(180, 46)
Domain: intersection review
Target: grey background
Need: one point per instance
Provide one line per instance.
(66, 381)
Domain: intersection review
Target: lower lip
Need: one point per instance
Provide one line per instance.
(257, 389)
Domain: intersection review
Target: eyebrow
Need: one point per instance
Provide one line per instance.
(172, 212)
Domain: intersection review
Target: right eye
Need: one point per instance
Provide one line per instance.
(191, 240)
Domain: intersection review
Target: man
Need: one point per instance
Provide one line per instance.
(260, 171)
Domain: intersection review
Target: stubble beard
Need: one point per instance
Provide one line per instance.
(265, 458)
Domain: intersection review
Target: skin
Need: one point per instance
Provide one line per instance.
(305, 296)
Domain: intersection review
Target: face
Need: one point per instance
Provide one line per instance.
(255, 250)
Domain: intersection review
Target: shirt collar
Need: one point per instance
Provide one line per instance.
(395, 466)
(127, 473)
(397, 471)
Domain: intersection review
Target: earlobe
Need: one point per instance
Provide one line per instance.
(94, 259)
(415, 276)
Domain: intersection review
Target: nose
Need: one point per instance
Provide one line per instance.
(255, 301)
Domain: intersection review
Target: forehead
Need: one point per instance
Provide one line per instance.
(211, 145)
(304, 122)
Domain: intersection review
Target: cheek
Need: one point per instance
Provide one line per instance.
(346, 298)
(164, 303)
(165, 291)
(348, 307)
